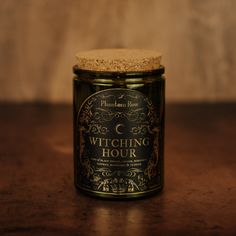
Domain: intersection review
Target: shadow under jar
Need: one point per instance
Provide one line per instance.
(118, 111)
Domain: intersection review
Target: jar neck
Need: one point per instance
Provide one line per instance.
(105, 75)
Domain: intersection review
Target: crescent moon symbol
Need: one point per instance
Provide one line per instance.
(117, 128)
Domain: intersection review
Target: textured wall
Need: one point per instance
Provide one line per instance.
(39, 38)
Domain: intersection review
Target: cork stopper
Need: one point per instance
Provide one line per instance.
(119, 60)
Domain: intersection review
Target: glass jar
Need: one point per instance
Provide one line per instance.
(118, 125)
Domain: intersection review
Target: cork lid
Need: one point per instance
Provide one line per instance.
(119, 60)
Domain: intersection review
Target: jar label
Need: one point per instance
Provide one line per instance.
(117, 135)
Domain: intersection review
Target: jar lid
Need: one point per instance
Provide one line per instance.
(119, 60)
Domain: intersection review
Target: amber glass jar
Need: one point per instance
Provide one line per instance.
(119, 106)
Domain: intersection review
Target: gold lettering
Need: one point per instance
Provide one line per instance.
(113, 142)
(132, 153)
(146, 142)
(124, 152)
(122, 147)
(93, 140)
(106, 152)
(106, 142)
(123, 142)
(103, 103)
(137, 142)
(114, 152)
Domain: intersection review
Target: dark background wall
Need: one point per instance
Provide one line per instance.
(39, 40)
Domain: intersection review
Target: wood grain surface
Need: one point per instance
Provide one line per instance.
(37, 196)
(39, 40)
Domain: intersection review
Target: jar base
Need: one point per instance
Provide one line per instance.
(110, 196)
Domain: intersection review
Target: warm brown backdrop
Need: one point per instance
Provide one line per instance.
(39, 38)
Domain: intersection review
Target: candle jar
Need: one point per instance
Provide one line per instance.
(118, 107)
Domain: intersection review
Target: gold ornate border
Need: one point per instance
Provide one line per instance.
(117, 195)
(78, 114)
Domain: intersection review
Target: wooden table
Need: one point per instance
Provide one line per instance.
(37, 196)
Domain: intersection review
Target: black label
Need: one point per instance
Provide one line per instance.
(118, 149)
